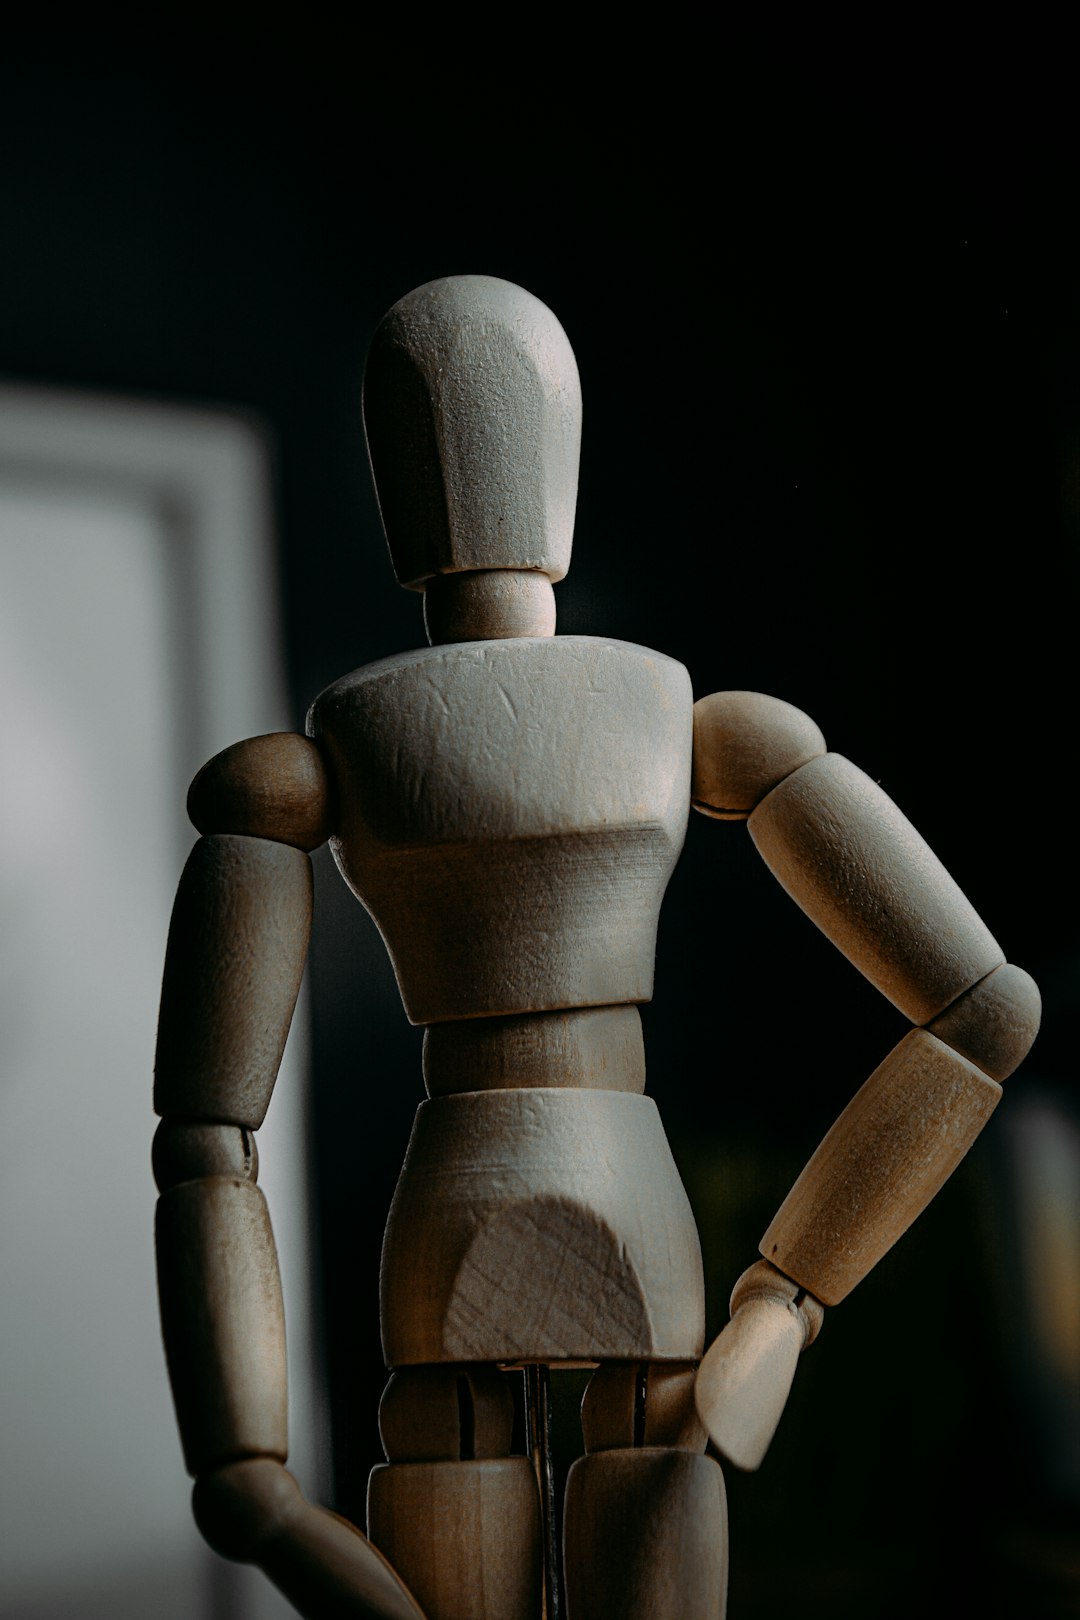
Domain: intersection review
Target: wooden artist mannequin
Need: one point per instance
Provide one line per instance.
(509, 805)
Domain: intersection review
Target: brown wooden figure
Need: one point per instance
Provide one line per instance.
(509, 805)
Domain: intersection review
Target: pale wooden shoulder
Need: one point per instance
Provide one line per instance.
(275, 786)
(745, 744)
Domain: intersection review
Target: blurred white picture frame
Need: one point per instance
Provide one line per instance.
(139, 634)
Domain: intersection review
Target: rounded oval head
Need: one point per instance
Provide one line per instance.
(472, 409)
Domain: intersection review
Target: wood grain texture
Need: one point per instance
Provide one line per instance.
(744, 745)
(513, 839)
(745, 1377)
(994, 1023)
(592, 1047)
(237, 944)
(488, 606)
(858, 868)
(540, 1225)
(465, 1536)
(253, 1511)
(222, 1321)
(273, 787)
(645, 1536)
(446, 1414)
(472, 408)
(896, 1143)
(187, 1150)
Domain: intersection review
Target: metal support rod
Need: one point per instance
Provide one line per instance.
(538, 1418)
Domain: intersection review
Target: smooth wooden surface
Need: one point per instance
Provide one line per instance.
(744, 745)
(186, 1150)
(671, 1417)
(472, 408)
(641, 1404)
(487, 606)
(858, 868)
(446, 1414)
(510, 815)
(273, 787)
(995, 1023)
(609, 1406)
(540, 1225)
(764, 1278)
(645, 1536)
(746, 1376)
(892, 1148)
(222, 1321)
(253, 1511)
(588, 1047)
(237, 944)
(743, 1382)
(464, 1536)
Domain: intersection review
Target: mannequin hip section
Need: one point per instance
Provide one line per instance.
(540, 1224)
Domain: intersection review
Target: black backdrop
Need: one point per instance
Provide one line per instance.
(828, 329)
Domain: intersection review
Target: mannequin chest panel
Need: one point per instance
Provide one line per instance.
(510, 814)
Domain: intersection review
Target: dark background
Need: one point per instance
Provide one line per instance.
(828, 326)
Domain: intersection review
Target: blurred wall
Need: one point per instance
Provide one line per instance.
(138, 632)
